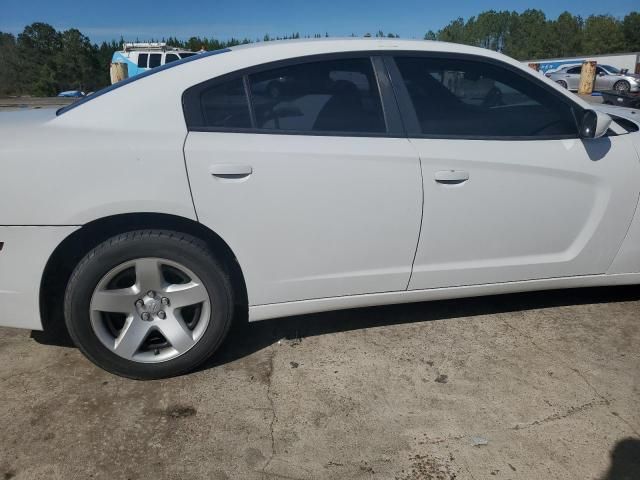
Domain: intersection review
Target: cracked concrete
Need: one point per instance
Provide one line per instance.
(274, 416)
(551, 380)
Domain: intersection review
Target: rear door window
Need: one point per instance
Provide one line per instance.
(171, 57)
(327, 96)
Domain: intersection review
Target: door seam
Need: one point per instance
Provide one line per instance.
(186, 172)
(415, 253)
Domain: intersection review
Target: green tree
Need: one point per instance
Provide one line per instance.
(430, 35)
(454, 32)
(77, 62)
(602, 34)
(38, 46)
(528, 35)
(489, 30)
(631, 31)
(565, 35)
(9, 78)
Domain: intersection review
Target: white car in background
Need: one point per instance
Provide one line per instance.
(154, 211)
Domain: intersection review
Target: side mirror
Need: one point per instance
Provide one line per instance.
(594, 124)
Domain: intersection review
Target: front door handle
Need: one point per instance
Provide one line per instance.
(230, 170)
(451, 177)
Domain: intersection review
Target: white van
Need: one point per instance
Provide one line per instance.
(140, 57)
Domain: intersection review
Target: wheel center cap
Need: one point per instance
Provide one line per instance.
(152, 306)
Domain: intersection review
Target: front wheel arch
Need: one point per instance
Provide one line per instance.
(72, 249)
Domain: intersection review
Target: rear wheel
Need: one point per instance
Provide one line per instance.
(149, 304)
(622, 86)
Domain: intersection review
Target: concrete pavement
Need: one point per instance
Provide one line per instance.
(528, 386)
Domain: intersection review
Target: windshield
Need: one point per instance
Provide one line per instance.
(610, 69)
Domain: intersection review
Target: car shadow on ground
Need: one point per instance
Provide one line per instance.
(625, 460)
(247, 338)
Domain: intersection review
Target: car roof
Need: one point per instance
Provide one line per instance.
(349, 44)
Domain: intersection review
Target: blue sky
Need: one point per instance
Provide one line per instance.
(253, 18)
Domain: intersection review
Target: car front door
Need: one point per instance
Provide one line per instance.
(510, 191)
(603, 80)
(312, 186)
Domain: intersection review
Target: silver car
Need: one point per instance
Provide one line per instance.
(607, 78)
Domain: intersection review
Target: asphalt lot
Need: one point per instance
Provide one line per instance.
(550, 381)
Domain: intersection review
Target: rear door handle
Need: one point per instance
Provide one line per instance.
(451, 177)
(230, 170)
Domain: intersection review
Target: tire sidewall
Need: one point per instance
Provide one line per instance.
(165, 246)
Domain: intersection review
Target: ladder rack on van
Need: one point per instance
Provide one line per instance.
(160, 46)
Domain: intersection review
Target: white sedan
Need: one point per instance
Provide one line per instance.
(151, 214)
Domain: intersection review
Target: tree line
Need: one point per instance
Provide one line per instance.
(43, 61)
(531, 35)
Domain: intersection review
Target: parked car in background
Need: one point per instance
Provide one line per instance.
(72, 94)
(607, 78)
(380, 171)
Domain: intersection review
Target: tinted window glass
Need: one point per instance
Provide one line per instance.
(225, 105)
(171, 57)
(469, 98)
(575, 70)
(154, 60)
(142, 60)
(328, 96)
(185, 55)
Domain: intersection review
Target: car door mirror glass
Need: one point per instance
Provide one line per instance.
(594, 124)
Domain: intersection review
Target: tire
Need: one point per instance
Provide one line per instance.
(177, 324)
(562, 83)
(622, 86)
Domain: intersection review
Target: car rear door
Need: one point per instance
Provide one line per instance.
(312, 184)
(572, 78)
(510, 191)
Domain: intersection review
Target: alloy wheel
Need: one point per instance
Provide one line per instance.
(622, 86)
(150, 310)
